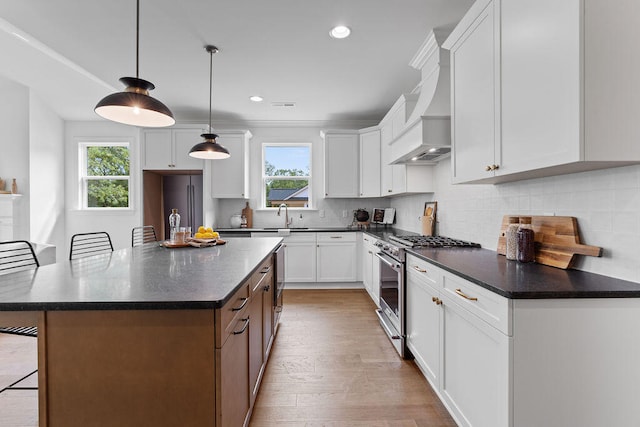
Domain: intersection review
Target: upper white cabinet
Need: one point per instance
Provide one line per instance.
(168, 149)
(370, 163)
(544, 88)
(341, 171)
(230, 177)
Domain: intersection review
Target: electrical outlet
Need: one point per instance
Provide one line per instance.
(321, 213)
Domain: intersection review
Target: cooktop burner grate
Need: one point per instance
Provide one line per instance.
(432, 241)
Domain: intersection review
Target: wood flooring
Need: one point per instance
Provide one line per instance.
(331, 365)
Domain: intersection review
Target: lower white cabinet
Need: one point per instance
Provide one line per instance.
(370, 268)
(8, 214)
(336, 257)
(465, 358)
(300, 257)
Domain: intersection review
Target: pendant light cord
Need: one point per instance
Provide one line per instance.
(210, 86)
(137, 38)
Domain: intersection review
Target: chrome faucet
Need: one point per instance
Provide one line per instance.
(287, 220)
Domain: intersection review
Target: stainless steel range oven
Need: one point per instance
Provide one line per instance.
(392, 280)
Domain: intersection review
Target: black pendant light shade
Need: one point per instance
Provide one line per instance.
(209, 149)
(134, 106)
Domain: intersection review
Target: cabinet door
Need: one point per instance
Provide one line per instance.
(229, 177)
(341, 165)
(475, 368)
(386, 170)
(475, 98)
(234, 375)
(157, 149)
(367, 266)
(541, 85)
(336, 262)
(300, 262)
(183, 141)
(398, 179)
(423, 324)
(375, 277)
(370, 164)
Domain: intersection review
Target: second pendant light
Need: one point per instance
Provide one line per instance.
(209, 148)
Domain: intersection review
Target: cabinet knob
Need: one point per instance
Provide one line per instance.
(437, 300)
(326, 194)
(388, 191)
(487, 168)
(496, 167)
(492, 168)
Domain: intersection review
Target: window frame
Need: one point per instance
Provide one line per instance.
(84, 178)
(264, 178)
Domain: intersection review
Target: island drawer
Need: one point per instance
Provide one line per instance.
(337, 237)
(226, 315)
(263, 275)
(424, 271)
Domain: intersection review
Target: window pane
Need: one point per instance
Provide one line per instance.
(108, 193)
(107, 161)
(287, 161)
(293, 192)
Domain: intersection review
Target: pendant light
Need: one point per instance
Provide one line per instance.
(134, 106)
(209, 148)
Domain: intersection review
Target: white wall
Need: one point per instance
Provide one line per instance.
(333, 208)
(117, 224)
(46, 176)
(14, 148)
(605, 202)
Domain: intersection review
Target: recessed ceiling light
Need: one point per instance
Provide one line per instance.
(256, 98)
(433, 150)
(340, 32)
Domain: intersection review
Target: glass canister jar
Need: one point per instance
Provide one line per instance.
(526, 241)
(511, 238)
(174, 224)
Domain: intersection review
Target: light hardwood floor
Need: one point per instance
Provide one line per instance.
(331, 366)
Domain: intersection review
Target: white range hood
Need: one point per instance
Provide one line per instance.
(426, 135)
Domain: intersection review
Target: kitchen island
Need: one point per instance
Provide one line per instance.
(149, 335)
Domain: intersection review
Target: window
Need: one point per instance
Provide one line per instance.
(286, 175)
(104, 175)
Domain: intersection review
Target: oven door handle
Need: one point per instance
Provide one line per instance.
(393, 264)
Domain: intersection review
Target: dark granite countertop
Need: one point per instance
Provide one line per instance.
(230, 231)
(144, 277)
(516, 280)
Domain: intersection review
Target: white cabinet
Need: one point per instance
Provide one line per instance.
(230, 177)
(475, 94)
(461, 344)
(7, 216)
(370, 163)
(424, 317)
(341, 171)
(168, 149)
(300, 258)
(336, 257)
(541, 88)
(370, 268)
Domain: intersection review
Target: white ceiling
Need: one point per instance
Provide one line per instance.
(279, 49)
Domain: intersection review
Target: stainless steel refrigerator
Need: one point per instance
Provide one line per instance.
(183, 192)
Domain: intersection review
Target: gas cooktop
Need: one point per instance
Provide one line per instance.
(413, 241)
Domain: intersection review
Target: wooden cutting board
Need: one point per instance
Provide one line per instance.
(247, 212)
(557, 240)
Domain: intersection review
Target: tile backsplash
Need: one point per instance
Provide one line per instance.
(605, 202)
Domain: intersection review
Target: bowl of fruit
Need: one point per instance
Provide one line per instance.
(206, 235)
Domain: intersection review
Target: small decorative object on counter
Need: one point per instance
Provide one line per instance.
(2, 184)
(174, 224)
(14, 187)
(512, 238)
(235, 221)
(243, 221)
(247, 212)
(526, 241)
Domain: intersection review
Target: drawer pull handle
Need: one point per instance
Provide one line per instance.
(465, 296)
(437, 300)
(244, 302)
(336, 237)
(265, 270)
(244, 328)
(421, 270)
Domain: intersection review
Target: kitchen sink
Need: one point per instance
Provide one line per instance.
(290, 228)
